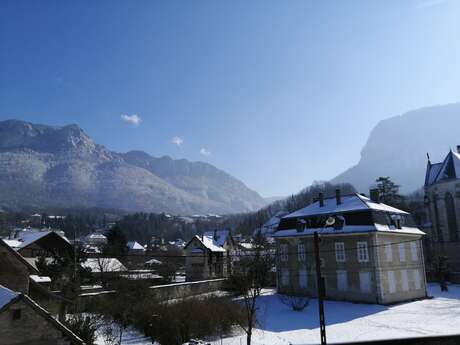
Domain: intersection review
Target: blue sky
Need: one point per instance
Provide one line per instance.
(277, 93)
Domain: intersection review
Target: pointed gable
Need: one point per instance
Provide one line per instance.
(448, 169)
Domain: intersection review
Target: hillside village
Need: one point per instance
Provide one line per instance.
(354, 247)
(229, 172)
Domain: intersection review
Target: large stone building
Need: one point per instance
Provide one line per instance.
(370, 252)
(207, 256)
(24, 322)
(442, 200)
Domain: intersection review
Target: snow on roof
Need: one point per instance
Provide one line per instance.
(96, 236)
(15, 244)
(40, 279)
(355, 202)
(211, 244)
(98, 265)
(214, 240)
(153, 262)
(6, 296)
(27, 237)
(347, 229)
(219, 236)
(133, 245)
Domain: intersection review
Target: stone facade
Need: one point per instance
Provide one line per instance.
(23, 323)
(14, 271)
(442, 201)
(379, 277)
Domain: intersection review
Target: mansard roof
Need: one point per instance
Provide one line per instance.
(349, 203)
(449, 168)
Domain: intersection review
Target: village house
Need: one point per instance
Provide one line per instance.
(24, 322)
(31, 243)
(370, 252)
(15, 271)
(207, 256)
(135, 248)
(442, 201)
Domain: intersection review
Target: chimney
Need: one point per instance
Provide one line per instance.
(321, 199)
(374, 194)
(458, 148)
(338, 197)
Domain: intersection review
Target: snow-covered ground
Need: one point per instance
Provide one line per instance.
(279, 325)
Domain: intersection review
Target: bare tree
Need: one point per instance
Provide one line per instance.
(252, 275)
(294, 301)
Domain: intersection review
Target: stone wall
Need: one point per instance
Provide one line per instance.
(187, 289)
(162, 292)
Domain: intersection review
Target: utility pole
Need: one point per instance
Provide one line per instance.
(320, 290)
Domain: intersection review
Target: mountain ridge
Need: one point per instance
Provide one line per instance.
(61, 165)
(397, 147)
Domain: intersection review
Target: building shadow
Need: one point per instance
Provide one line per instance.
(274, 316)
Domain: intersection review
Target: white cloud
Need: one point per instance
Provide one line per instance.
(205, 152)
(177, 141)
(133, 119)
(429, 3)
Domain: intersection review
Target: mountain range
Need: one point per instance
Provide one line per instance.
(44, 166)
(397, 147)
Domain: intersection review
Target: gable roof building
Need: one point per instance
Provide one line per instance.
(23, 321)
(15, 271)
(448, 169)
(207, 256)
(33, 243)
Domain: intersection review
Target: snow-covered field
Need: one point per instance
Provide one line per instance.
(353, 322)
(278, 325)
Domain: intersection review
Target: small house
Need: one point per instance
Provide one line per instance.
(23, 321)
(208, 256)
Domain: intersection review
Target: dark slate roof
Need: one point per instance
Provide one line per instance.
(9, 297)
(449, 168)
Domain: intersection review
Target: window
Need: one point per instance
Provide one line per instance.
(417, 279)
(342, 280)
(391, 281)
(284, 252)
(363, 254)
(451, 217)
(388, 251)
(340, 252)
(303, 280)
(413, 251)
(284, 277)
(322, 262)
(365, 282)
(301, 252)
(404, 280)
(402, 252)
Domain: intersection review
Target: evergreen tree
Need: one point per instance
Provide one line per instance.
(116, 242)
(389, 191)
